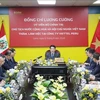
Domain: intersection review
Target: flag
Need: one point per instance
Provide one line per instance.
(96, 39)
(3, 40)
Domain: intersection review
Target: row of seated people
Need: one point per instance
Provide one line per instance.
(7, 62)
(93, 64)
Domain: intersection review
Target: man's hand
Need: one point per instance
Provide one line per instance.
(87, 64)
(92, 77)
(2, 83)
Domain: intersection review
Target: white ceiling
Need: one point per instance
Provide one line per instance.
(33, 3)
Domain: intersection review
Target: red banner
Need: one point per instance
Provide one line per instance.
(61, 26)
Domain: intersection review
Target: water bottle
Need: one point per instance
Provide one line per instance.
(49, 63)
(30, 63)
(83, 82)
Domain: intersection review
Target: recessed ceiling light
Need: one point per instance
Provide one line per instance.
(97, 2)
(46, 2)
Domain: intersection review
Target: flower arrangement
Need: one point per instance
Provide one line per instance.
(22, 64)
(87, 75)
(84, 72)
(49, 62)
(49, 89)
(6, 93)
(72, 63)
(88, 94)
(81, 73)
(14, 78)
(11, 74)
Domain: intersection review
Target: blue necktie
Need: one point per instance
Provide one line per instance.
(52, 54)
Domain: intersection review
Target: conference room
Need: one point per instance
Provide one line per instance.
(49, 49)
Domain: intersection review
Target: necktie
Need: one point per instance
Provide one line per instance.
(52, 54)
(90, 60)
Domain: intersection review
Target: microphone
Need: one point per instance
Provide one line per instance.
(39, 57)
(34, 60)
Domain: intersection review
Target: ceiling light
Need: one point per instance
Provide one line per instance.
(97, 2)
(46, 2)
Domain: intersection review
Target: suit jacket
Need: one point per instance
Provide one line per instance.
(88, 60)
(8, 65)
(96, 71)
(92, 64)
(13, 61)
(49, 56)
(1, 74)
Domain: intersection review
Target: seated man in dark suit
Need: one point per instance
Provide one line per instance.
(96, 60)
(13, 52)
(8, 64)
(52, 53)
(2, 77)
(96, 72)
(89, 63)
